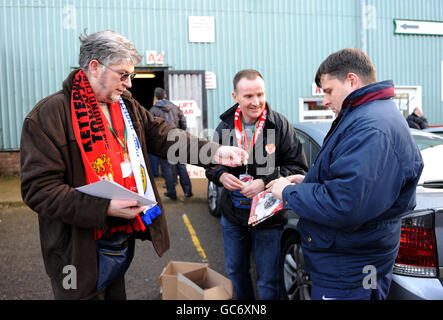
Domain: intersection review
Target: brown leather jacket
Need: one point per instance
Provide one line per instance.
(51, 169)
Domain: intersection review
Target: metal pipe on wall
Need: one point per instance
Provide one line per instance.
(364, 44)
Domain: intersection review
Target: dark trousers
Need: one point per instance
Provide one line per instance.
(167, 173)
(114, 291)
(380, 292)
(153, 160)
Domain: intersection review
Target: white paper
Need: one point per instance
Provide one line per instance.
(126, 168)
(111, 190)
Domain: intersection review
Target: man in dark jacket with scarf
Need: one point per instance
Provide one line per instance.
(92, 130)
(363, 181)
(416, 120)
(274, 150)
(174, 117)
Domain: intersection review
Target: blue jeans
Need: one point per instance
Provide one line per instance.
(168, 175)
(153, 160)
(238, 241)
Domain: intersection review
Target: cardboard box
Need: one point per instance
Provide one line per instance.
(193, 281)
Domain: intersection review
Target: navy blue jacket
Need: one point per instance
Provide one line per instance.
(352, 200)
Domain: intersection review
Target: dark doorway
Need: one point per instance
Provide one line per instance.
(144, 84)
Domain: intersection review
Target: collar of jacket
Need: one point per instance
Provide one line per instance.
(228, 116)
(374, 91)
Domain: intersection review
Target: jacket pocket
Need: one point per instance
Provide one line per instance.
(239, 200)
(315, 236)
(374, 238)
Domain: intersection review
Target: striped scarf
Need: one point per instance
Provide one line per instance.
(103, 148)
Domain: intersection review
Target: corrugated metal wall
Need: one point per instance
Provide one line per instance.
(286, 40)
(409, 59)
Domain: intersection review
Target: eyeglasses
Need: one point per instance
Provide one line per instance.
(123, 76)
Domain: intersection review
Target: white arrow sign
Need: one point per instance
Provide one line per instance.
(432, 28)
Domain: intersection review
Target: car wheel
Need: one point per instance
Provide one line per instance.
(214, 199)
(296, 282)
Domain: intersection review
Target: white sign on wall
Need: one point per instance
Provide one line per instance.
(201, 29)
(419, 27)
(210, 80)
(190, 110)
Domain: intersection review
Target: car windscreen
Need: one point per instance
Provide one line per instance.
(427, 141)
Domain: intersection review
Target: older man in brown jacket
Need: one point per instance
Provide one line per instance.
(53, 164)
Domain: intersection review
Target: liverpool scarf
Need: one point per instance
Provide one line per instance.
(104, 148)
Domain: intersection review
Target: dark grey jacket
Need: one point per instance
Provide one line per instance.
(170, 112)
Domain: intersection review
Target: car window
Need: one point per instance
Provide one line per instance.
(440, 133)
(307, 146)
(425, 141)
(315, 149)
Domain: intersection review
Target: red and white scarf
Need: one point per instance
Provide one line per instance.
(240, 134)
(101, 151)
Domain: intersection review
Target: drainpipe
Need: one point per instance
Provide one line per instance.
(364, 45)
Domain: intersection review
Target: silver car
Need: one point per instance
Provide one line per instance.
(435, 129)
(418, 273)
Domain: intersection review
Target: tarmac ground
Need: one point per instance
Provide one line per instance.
(10, 195)
(22, 272)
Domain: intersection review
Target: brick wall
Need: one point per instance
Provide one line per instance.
(9, 163)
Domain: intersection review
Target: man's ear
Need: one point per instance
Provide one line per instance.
(94, 68)
(234, 96)
(354, 81)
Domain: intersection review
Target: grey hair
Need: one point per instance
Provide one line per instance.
(108, 47)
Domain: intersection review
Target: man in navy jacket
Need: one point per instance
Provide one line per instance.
(363, 181)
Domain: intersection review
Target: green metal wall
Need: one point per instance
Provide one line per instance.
(409, 59)
(286, 40)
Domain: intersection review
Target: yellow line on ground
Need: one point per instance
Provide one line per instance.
(194, 237)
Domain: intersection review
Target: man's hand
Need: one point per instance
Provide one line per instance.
(230, 182)
(296, 178)
(230, 156)
(277, 186)
(127, 209)
(255, 187)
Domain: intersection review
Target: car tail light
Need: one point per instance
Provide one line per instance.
(417, 255)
